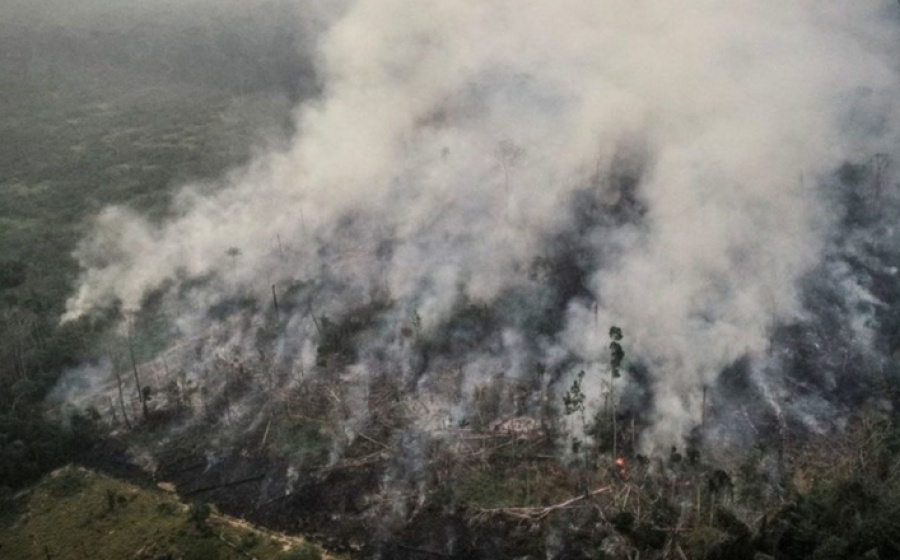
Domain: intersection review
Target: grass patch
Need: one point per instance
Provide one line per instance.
(75, 513)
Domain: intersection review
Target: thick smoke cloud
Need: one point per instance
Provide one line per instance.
(451, 142)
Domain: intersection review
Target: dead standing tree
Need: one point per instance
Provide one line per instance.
(615, 362)
(143, 393)
(115, 368)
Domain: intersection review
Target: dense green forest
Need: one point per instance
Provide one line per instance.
(121, 109)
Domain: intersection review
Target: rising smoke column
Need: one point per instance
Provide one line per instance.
(449, 140)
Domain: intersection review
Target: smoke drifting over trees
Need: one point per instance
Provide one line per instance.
(675, 175)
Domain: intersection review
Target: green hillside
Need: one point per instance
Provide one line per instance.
(75, 513)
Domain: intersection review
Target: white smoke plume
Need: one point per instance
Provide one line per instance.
(449, 141)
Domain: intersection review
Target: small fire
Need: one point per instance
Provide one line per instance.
(621, 466)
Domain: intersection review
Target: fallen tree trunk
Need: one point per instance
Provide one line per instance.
(212, 487)
(536, 513)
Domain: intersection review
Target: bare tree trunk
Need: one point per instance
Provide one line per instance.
(612, 400)
(274, 299)
(121, 397)
(112, 410)
(632, 433)
(703, 409)
(137, 380)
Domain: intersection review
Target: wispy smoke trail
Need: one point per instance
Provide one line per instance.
(451, 139)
